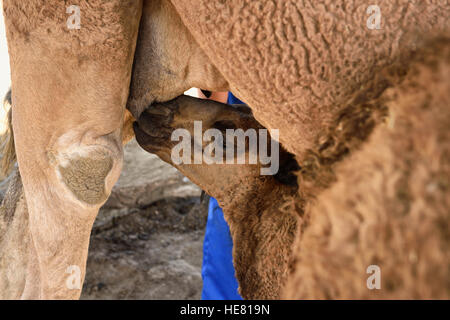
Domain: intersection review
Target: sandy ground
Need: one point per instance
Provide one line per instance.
(149, 253)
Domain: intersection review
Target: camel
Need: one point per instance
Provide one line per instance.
(357, 202)
(338, 91)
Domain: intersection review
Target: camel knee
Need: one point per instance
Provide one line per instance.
(85, 176)
(88, 172)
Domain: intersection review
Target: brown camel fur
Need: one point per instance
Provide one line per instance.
(385, 172)
(298, 65)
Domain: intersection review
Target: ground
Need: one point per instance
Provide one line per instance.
(149, 253)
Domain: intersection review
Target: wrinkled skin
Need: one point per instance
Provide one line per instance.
(300, 67)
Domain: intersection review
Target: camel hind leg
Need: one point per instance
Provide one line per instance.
(69, 90)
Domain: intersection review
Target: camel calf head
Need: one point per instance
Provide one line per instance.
(260, 209)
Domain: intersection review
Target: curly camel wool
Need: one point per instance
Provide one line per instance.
(386, 200)
(295, 62)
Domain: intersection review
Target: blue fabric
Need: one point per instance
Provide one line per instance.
(219, 282)
(233, 100)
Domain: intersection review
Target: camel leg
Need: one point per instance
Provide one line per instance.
(259, 208)
(69, 90)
